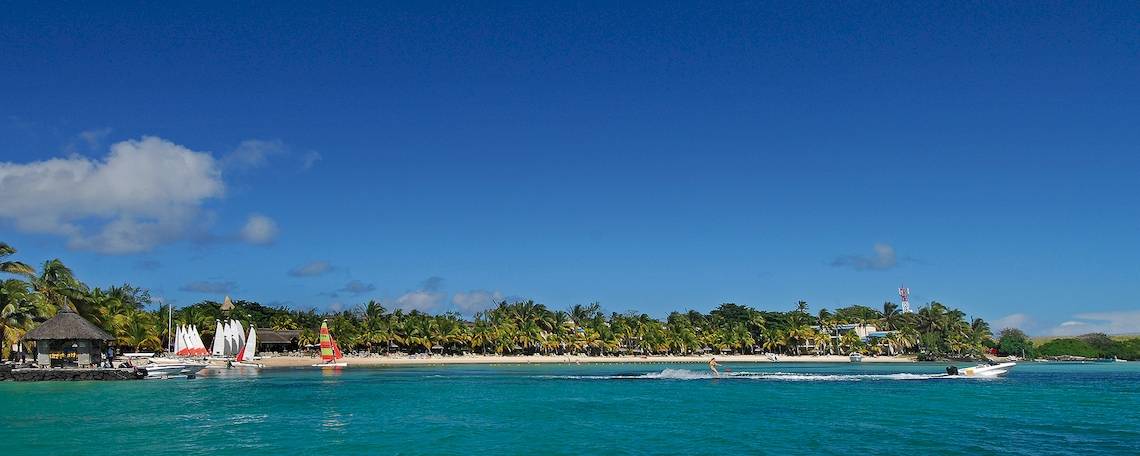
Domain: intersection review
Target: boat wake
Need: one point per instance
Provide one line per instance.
(685, 374)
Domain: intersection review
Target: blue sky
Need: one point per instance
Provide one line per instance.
(648, 156)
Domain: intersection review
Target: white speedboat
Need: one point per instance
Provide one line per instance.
(171, 368)
(856, 357)
(981, 370)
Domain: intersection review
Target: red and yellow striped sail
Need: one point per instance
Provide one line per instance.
(327, 344)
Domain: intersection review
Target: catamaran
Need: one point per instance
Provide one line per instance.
(245, 356)
(187, 342)
(229, 339)
(330, 352)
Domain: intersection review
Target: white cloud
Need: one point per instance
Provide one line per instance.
(310, 159)
(252, 153)
(259, 229)
(475, 300)
(1112, 322)
(1017, 320)
(421, 300)
(311, 269)
(883, 258)
(94, 137)
(146, 192)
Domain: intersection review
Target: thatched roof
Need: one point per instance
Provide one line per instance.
(227, 304)
(67, 325)
(269, 336)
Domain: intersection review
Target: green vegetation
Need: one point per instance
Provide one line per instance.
(1013, 341)
(1094, 345)
(32, 296)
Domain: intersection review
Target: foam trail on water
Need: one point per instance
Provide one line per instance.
(685, 374)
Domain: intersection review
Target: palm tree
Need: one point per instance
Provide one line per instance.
(13, 267)
(282, 322)
(891, 314)
(20, 309)
(139, 331)
(980, 331)
(583, 313)
(773, 339)
(58, 285)
(850, 340)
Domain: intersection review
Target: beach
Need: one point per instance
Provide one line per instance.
(294, 361)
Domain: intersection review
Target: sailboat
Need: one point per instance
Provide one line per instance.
(330, 352)
(245, 355)
(187, 342)
(219, 347)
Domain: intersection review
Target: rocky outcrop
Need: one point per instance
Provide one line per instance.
(42, 375)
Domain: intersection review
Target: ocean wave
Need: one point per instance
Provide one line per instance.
(685, 374)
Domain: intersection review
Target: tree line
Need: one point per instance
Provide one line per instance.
(30, 296)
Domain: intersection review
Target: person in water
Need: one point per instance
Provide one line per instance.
(712, 366)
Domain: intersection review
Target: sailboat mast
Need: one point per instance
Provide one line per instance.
(169, 322)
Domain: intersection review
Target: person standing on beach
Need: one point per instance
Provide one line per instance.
(712, 366)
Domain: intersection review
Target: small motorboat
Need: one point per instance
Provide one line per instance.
(181, 369)
(856, 357)
(981, 370)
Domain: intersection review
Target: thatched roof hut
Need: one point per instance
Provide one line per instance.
(278, 340)
(68, 340)
(68, 325)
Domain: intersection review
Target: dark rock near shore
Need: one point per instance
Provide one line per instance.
(41, 375)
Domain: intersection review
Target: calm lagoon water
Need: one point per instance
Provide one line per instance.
(586, 409)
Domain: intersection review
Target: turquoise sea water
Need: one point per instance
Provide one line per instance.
(586, 409)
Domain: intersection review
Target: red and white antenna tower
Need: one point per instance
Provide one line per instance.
(904, 294)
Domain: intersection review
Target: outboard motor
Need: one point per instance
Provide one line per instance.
(951, 370)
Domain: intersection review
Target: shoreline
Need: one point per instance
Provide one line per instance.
(304, 361)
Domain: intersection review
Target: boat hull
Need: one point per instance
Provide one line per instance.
(172, 370)
(330, 365)
(984, 371)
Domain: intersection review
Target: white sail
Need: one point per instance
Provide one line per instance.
(219, 347)
(187, 341)
(228, 339)
(233, 338)
(191, 336)
(178, 347)
(250, 346)
(199, 347)
(239, 332)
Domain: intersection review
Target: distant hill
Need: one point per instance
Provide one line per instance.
(1117, 337)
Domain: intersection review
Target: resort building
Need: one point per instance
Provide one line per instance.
(868, 334)
(68, 340)
(269, 340)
